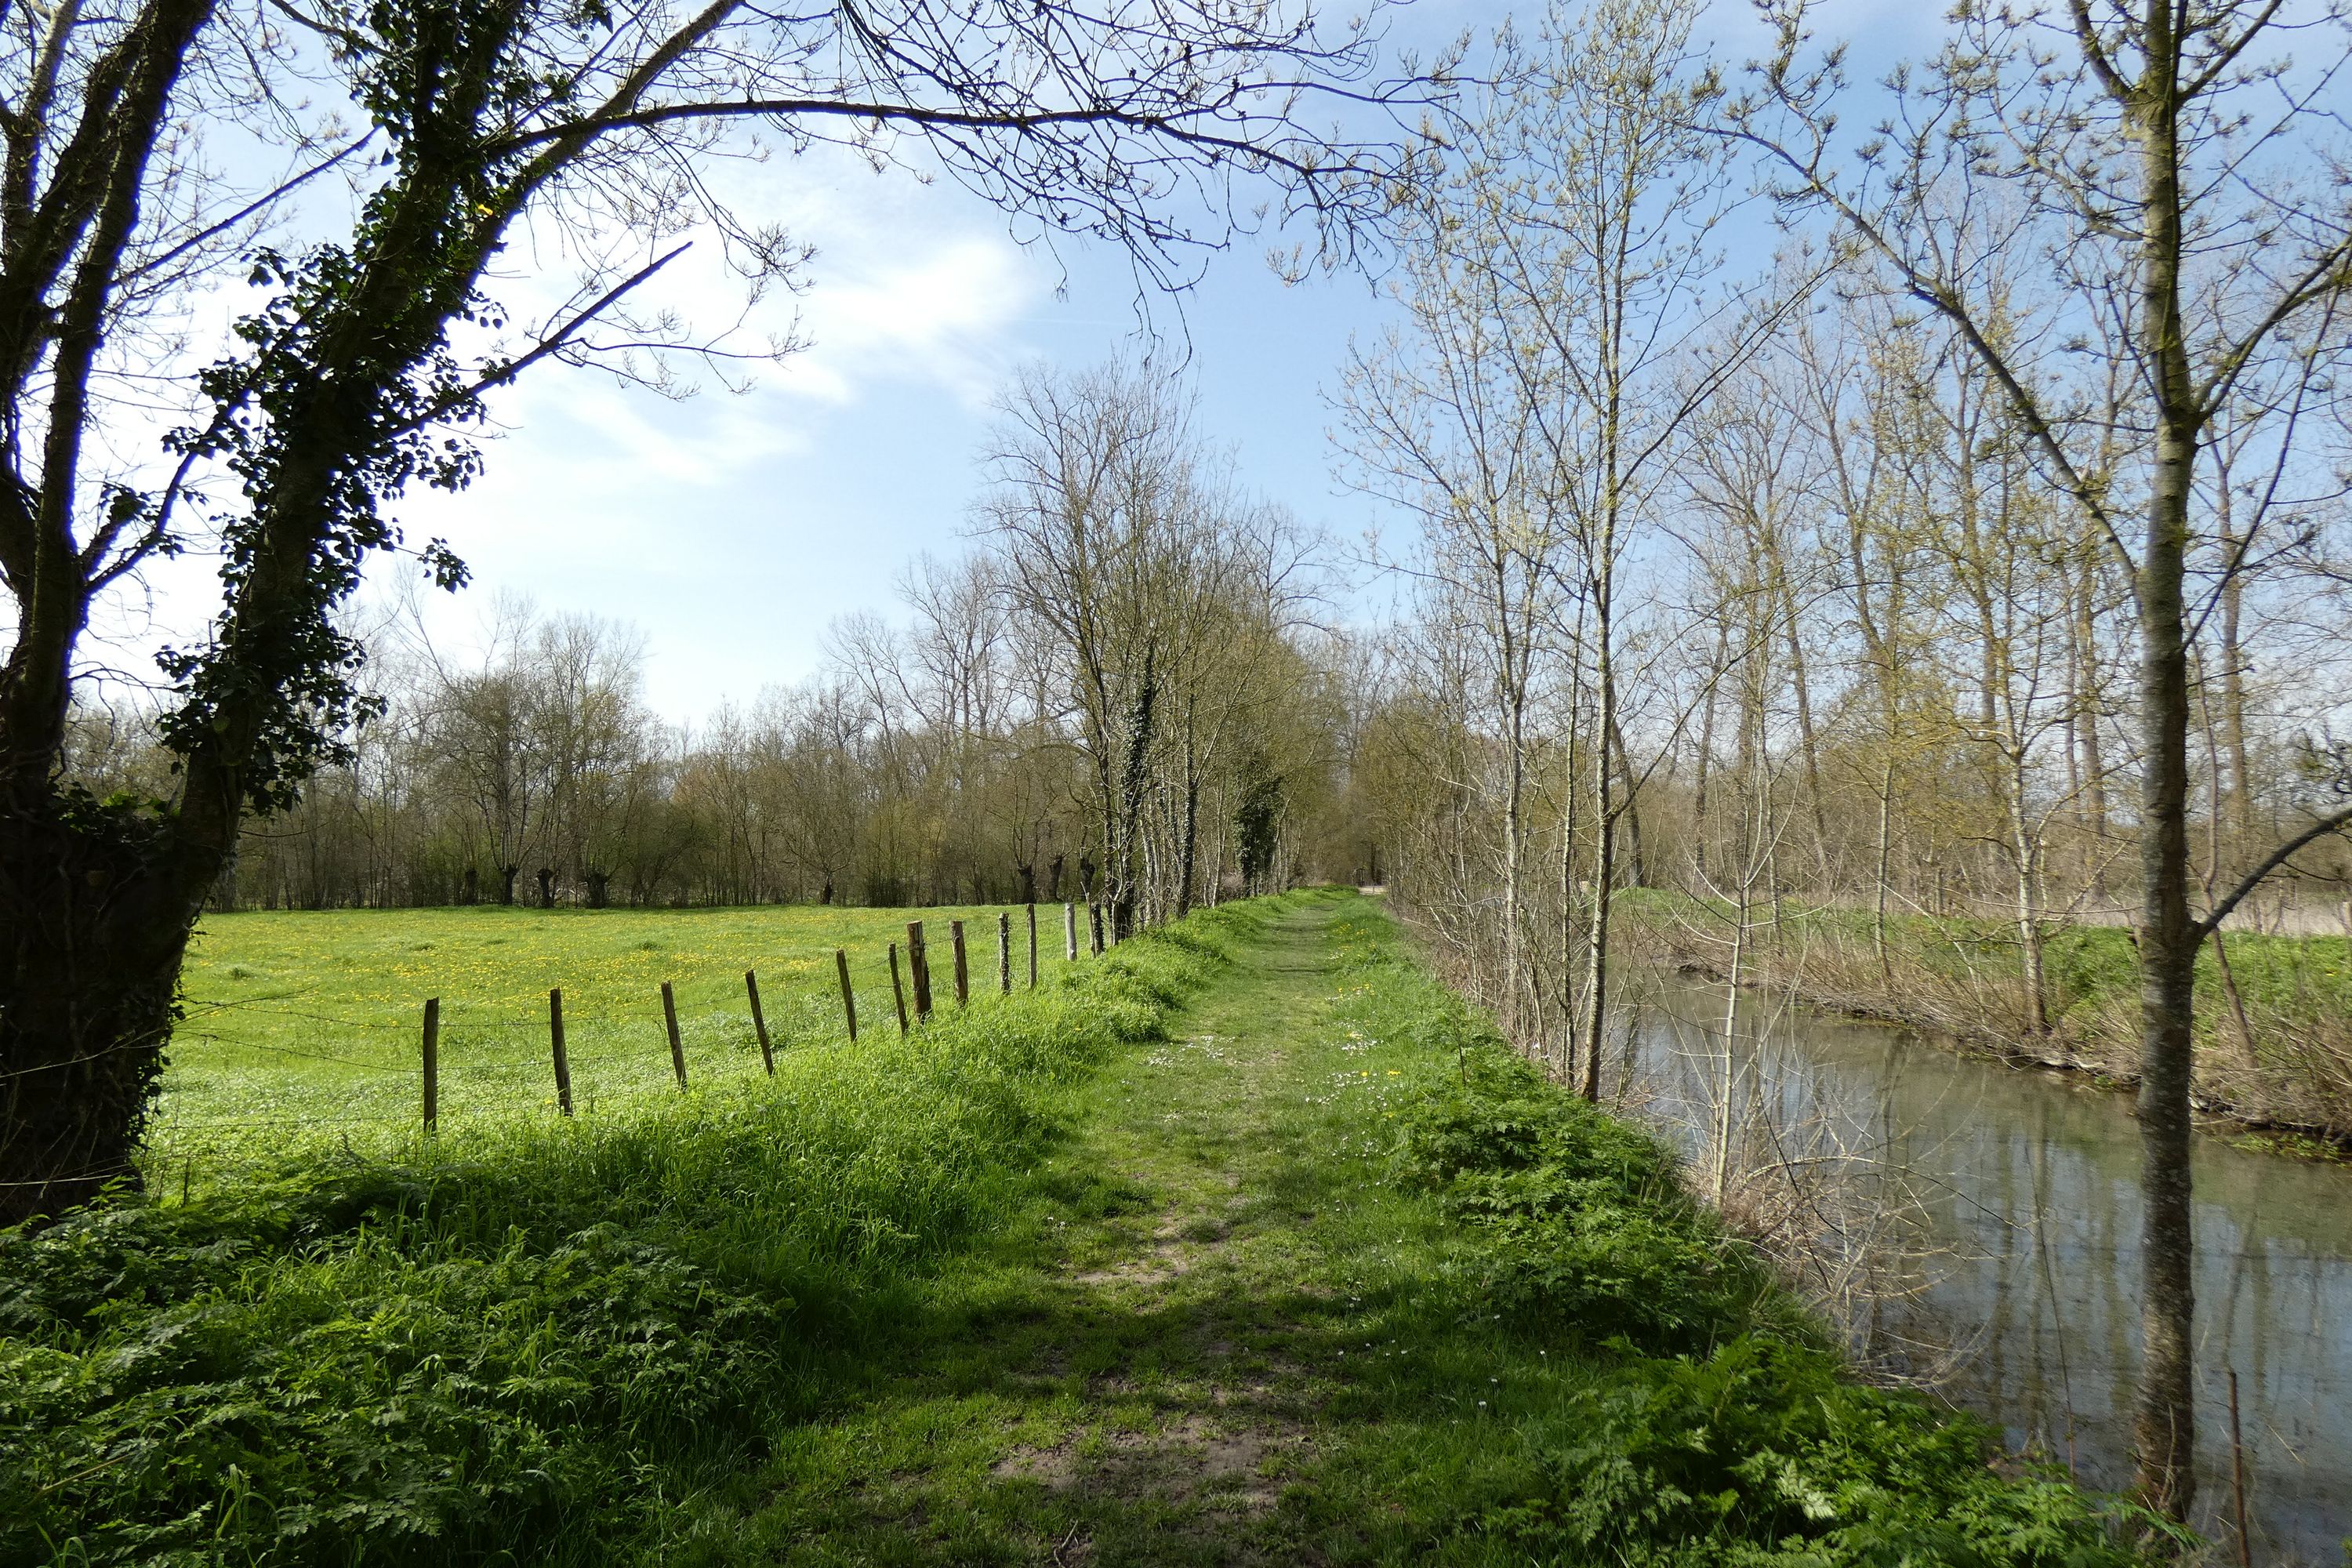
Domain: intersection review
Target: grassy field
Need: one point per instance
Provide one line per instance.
(1248, 1242)
(307, 1025)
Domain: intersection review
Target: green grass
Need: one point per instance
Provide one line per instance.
(1247, 1243)
(307, 1025)
(537, 1338)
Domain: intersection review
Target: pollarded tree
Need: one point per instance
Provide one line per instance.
(350, 382)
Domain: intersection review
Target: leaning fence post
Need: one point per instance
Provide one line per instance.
(919, 965)
(677, 1045)
(1032, 947)
(1003, 953)
(962, 975)
(760, 1020)
(555, 1040)
(432, 1063)
(898, 991)
(1070, 932)
(849, 997)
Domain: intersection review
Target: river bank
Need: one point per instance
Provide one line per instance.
(2003, 1222)
(2274, 1036)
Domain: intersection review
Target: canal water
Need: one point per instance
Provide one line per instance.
(2020, 1211)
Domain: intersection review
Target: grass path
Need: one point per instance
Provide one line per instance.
(1154, 1365)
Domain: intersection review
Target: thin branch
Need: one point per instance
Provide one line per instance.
(544, 348)
(2334, 822)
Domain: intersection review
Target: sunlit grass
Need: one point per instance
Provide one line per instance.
(307, 1025)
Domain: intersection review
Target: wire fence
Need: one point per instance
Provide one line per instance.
(439, 1060)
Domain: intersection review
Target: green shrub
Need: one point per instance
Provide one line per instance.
(1577, 1218)
(1763, 1452)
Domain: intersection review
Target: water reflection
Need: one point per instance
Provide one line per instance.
(2022, 1188)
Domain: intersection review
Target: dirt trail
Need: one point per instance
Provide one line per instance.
(1230, 1417)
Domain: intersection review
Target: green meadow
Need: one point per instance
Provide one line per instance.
(309, 1026)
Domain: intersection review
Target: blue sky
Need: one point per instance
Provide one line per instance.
(732, 527)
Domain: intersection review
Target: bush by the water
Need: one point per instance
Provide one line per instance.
(533, 1344)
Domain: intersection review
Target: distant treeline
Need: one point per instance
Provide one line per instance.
(1113, 696)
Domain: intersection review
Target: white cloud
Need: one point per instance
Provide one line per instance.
(676, 513)
(943, 316)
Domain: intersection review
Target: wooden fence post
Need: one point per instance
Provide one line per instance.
(677, 1045)
(760, 1020)
(562, 1060)
(1070, 932)
(849, 997)
(1003, 953)
(897, 991)
(1095, 928)
(432, 1063)
(1032, 947)
(962, 974)
(918, 964)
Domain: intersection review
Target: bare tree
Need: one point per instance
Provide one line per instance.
(1448, 419)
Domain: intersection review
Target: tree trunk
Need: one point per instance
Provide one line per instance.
(1612, 297)
(2086, 720)
(2240, 815)
(1707, 740)
(1137, 777)
(2164, 1420)
(1801, 685)
(1637, 868)
(1883, 870)
(2028, 902)
(1188, 858)
(96, 900)
(1569, 1019)
(1515, 833)
(1604, 850)
(97, 903)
